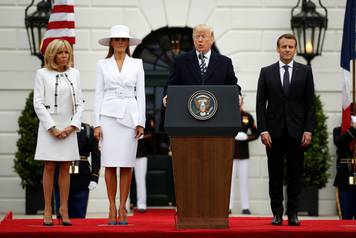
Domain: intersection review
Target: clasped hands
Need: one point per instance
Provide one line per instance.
(61, 134)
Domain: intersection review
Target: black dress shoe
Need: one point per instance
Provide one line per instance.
(246, 211)
(277, 220)
(293, 220)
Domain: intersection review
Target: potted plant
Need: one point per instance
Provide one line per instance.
(316, 163)
(29, 170)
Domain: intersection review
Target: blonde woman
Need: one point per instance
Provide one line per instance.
(58, 104)
(119, 115)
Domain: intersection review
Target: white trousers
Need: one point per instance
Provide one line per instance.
(140, 177)
(239, 168)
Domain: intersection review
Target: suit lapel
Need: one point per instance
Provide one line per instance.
(213, 63)
(277, 77)
(193, 63)
(294, 78)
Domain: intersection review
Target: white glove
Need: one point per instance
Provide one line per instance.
(241, 136)
(92, 185)
(353, 119)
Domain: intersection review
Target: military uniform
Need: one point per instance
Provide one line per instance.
(346, 191)
(240, 163)
(82, 173)
(143, 149)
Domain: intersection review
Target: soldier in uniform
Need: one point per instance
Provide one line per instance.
(247, 132)
(345, 180)
(83, 176)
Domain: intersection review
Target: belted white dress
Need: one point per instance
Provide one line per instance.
(119, 108)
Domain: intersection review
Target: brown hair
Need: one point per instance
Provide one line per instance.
(111, 50)
(287, 36)
(52, 50)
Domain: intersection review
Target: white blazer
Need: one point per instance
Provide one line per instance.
(44, 98)
(121, 94)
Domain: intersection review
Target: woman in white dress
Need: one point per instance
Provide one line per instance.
(58, 104)
(119, 115)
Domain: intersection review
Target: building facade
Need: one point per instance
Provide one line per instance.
(246, 31)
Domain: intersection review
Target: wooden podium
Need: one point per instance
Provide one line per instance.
(202, 151)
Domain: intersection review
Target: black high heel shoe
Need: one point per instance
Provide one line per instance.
(61, 222)
(48, 223)
(47, 220)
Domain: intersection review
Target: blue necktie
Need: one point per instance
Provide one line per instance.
(286, 80)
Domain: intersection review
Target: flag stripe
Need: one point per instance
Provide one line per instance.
(61, 17)
(347, 53)
(71, 40)
(348, 36)
(61, 24)
(59, 33)
(63, 2)
(62, 8)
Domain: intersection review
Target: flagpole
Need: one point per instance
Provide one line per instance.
(353, 80)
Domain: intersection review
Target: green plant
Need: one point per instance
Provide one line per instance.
(29, 170)
(317, 157)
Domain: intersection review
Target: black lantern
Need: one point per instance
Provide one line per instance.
(309, 27)
(36, 25)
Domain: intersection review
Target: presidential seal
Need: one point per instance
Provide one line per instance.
(202, 105)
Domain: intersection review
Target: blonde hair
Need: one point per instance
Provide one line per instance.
(203, 27)
(52, 50)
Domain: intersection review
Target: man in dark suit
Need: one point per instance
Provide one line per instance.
(201, 65)
(285, 119)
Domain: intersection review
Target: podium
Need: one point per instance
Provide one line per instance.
(202, 122)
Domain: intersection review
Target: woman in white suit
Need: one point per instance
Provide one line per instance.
(119, 115)
(58, 104)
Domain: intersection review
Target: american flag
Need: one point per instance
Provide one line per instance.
(61, 23)
(348, 52)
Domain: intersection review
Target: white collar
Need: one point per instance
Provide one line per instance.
(281, 64)
(206, 55)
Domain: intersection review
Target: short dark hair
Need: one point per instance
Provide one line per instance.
(287, 36)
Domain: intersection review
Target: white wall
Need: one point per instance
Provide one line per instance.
(246, 31)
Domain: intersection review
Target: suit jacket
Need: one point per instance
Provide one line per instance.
(186, 70)
(44, 96)
(121, 94)
(275, 110)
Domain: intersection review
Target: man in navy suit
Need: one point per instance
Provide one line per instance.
(285, 119)
(201, 66)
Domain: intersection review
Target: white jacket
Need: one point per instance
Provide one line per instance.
(44, 96)
(121, 94)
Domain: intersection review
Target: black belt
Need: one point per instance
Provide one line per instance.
(83, 158)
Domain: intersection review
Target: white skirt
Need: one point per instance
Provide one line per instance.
(52, 149)
(119, 145)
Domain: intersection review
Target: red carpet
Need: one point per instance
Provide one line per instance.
(160, 223)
